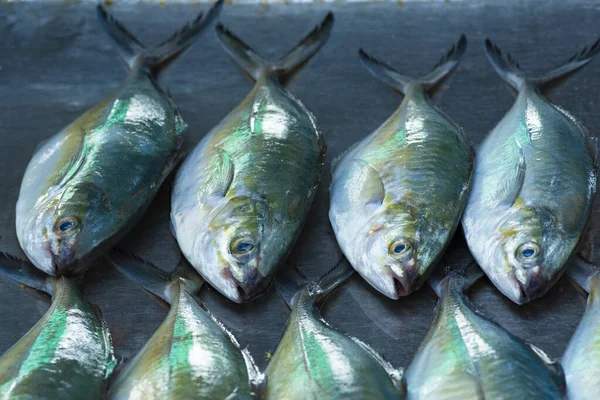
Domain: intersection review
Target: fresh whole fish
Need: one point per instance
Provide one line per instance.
(316, 361)
(398, 195)
(240, 199)
(581, 360)
(67, 354)
(533, 186)
(88, 184)
(466, 356)
(191, 355)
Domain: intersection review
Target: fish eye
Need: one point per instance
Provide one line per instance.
(399, 247)
(65, 225)
(528, 252)
(242, 246)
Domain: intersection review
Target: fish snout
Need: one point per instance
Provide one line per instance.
(249, 282)
(67, 262)
(531, 284)
(405, 279)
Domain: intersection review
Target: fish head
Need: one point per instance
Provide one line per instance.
(396, 255)
(231, 250)
(62, 235)
(528, 254)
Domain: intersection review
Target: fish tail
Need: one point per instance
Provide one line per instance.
(429, 81)
(509, 70)
(153, 279)
(574, 63)
(335, 276)
(155, 60)
(25, 273)
(289, 281)
(581, 272)
(286, 67)
(458, 267)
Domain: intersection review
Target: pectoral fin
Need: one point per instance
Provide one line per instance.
(358, 187)
(218, 172)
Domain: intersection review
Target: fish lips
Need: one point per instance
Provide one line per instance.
(525, 284)
(252, 285)
(396, 281)
(406, 279)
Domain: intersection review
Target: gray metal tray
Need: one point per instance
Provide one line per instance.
(55, 62)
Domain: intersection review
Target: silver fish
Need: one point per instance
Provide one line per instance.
(240, 199)
(86, 186)
(581, 360)
(398, 195)
(316, 361)
(533, 187)
(191, 355)
(466, 356)
(67, 355)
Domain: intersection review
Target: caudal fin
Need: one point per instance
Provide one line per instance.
(509, 70)
(457, 264)
(153, 279)
(289, 281)
(581, 271)
(429, 81)
(25, 273)
(285, 68)
(156, 60)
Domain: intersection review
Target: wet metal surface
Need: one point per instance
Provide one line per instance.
(55, 63)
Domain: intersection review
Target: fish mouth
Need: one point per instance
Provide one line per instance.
(251, 286)
(67, 261)
(405, 280)
(529, 285)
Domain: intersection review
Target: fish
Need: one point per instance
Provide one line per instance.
(397, 196)
(314, 360)
(191, 355)
(68, 353)
(581, 359)
(465, 355)
(86, 186)
(533, 186)
(241, 197)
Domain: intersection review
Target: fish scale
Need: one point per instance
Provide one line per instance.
(182, 358)
(241, 197)
(581, 359)
(66, 355)
(313, 360)
(533, 187)
(465, 354)
(86, 186)
(402, 187)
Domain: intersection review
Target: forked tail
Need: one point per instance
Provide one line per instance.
(157, 59)
(153, 279)
(283, 69)
(458, 266)
(25, 273)
(581, 272)
(289, 282)
(509, 70)
(429, 81)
